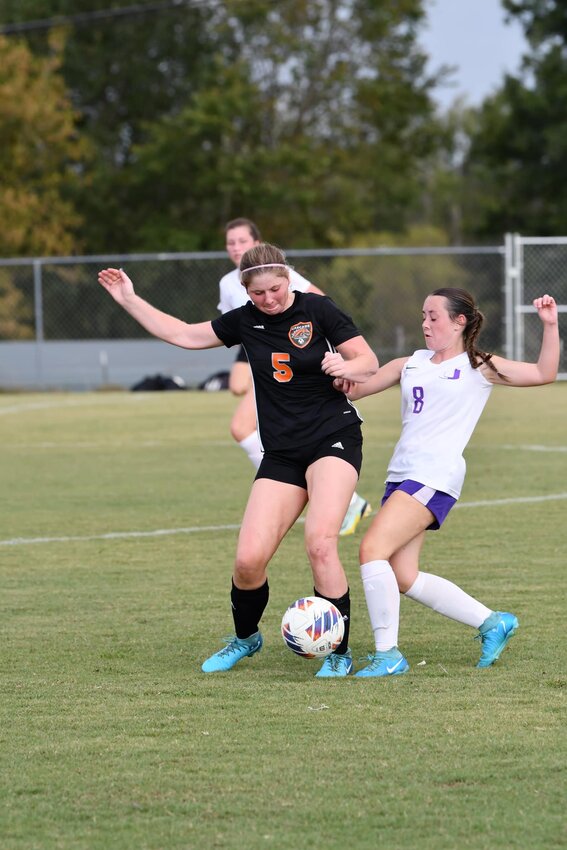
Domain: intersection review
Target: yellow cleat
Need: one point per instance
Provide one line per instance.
(356, 511)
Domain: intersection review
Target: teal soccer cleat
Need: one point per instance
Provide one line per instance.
(494, 635)
(235, 650)
(391, 662)
(336, 665)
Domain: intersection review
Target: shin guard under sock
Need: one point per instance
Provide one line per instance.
(343, 604)
(247, 608)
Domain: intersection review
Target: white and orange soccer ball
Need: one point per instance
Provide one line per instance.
(312, 627)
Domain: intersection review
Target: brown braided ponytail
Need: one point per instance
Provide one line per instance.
(461, 303)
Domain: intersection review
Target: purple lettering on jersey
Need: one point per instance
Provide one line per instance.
(418, 396)
(455, 376)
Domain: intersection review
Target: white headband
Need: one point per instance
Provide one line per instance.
(264, 266)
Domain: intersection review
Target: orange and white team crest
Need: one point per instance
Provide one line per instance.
(301, 334)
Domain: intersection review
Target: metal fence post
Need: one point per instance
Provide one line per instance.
(518, 297)
(513, 297)
(38, 318)
(509, 275)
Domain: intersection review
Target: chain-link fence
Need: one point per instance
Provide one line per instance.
(59, 329)
(535, 265)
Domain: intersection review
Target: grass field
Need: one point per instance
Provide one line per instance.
(117, 531)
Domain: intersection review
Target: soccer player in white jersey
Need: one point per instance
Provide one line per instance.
(241, 234)
(296, 343)
(444, 390)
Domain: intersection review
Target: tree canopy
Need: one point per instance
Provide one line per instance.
(145, 127)
(39, 147)
(313, 116)
(516, 166)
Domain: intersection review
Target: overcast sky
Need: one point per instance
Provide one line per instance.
(472, 35)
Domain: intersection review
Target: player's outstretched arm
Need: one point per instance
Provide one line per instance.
(544, 371)
(159, 324)
(387, 376)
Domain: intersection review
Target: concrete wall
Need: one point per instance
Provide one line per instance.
(97, 363)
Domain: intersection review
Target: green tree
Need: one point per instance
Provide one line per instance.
(38, 150)
(125, 74)
(516, 169)
(314, 116)
(16, 313)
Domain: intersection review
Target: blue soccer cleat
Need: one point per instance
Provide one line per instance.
(494, 634)
(390, 662)
(235, 650)
(336, 665)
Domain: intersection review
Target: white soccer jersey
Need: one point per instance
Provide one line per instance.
(441, 404)
(233, 294)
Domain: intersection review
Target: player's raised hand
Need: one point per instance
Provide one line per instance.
(117, 282)
(546, 308)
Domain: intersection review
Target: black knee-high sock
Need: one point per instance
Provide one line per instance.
(343, 604)
(247, 608)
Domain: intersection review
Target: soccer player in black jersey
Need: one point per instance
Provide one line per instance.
(241, 235)
(296, 344)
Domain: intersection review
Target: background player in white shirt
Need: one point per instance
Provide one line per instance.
(444, 391)
(241, 234)
(297, 343)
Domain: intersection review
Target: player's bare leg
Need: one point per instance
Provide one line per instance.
(330, 483)
(261, 532)
(272, 509)
(397, 532)
(240, 378)
(327, 479)
(243, 425)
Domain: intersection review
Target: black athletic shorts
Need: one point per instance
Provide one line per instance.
(290, 466)
(241, 356)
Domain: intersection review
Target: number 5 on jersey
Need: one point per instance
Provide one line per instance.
(282, 370)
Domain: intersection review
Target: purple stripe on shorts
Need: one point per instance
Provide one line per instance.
(436, 501)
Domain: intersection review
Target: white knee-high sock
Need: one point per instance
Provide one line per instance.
(448, 599)
(383, 601)
(252, 447)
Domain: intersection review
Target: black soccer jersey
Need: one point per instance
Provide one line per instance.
(295, 401)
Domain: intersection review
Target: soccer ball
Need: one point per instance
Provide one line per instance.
(312, 627)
